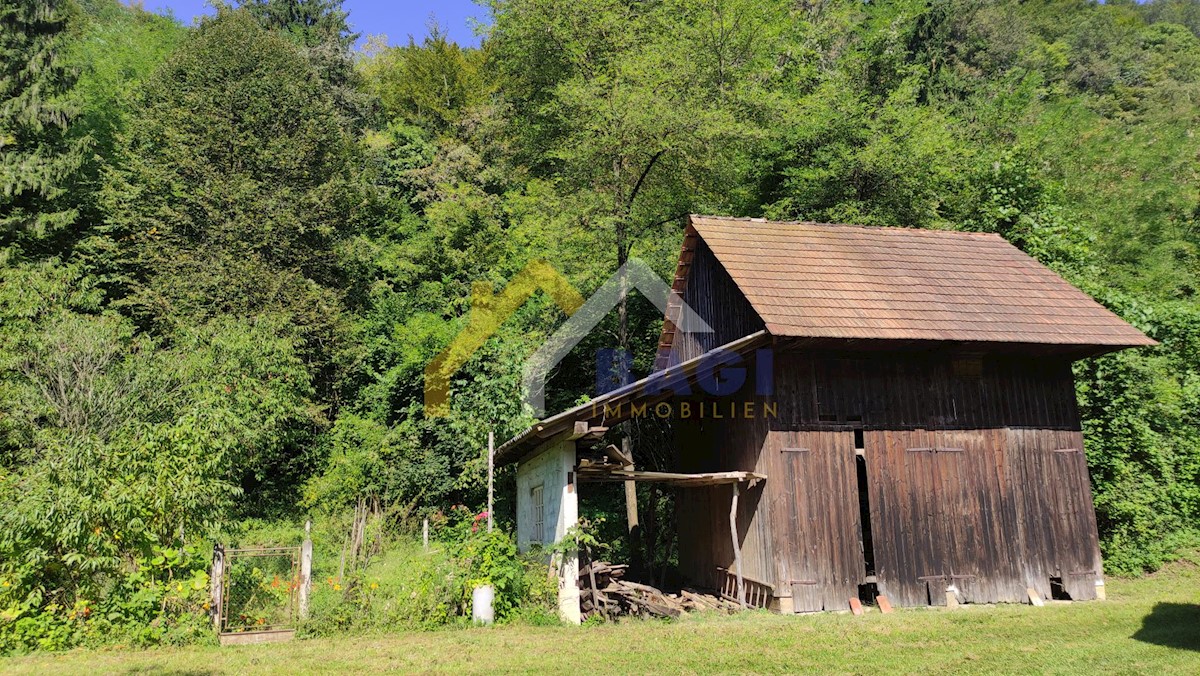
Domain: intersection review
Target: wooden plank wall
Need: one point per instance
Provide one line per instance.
(814, 496)
(977, 480)
(709, 445)
(713, 295)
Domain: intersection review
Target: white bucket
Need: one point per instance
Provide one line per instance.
(481, 604)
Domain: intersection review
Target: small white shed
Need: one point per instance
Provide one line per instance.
(547, 507)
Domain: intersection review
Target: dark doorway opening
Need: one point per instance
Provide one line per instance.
(864, 511)
(1058, 591)
(868, 592)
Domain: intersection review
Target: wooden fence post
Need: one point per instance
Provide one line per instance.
(491, 473)
(425, 533)
(217, 584)
(305, 569)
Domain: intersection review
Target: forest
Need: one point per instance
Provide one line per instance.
(229, 250)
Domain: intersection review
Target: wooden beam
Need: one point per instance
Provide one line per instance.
(631, 506)
(619, 455)
(598, 473)
(583, 431)
(580, 429)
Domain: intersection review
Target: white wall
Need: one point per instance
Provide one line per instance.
(552, 467)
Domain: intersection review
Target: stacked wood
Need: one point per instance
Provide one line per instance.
(613, 596)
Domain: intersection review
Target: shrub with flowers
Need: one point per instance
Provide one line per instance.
(162, 598)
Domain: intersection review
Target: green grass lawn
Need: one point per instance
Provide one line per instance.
(1148, 625)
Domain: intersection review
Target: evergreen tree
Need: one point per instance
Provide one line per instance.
(310, 23)
(235, 185)
(321, 29)
(37, 159)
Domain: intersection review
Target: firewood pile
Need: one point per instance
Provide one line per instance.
(614, 596)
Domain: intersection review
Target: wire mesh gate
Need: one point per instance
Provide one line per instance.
(259, 589)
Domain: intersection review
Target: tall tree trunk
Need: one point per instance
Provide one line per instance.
(621, 209)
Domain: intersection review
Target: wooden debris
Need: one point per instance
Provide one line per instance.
(1035, 599)
(612, 596)
(885, 606)
(856, 606)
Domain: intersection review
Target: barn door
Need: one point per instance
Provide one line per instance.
(922, 515)
(821, 519)
(933, 475)
(1073, 517)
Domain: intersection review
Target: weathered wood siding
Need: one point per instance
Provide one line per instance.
(713, 295)
(819, 558)
(974, 477)
(709, 445)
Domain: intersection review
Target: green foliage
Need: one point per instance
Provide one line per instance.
(413, 588)
(310, 23)
(161, 599)
(321, 30)
(228, 252)
(38, 158)
(1140, 413)
(234, 215)
(117, 48)
(431, 85)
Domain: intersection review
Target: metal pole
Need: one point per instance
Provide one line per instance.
(491, 473)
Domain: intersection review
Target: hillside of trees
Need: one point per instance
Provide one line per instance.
(228, 251)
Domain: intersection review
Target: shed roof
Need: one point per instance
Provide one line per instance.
(816, 280)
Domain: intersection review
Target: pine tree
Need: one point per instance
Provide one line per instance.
(234, 185)
(310, 23)
(37, 158)
(321, 29)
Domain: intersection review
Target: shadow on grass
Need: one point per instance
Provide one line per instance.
(1175, 625)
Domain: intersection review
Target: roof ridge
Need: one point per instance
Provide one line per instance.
(857, 226)
(806, 279)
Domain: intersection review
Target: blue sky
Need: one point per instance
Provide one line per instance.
(397, 19)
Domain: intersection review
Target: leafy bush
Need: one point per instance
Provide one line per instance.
(162, 599)
(411, 588)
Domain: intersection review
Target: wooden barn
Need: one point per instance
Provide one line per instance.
(875, 411)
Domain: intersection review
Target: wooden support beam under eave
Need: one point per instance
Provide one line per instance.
(672, 478)
(584, 431)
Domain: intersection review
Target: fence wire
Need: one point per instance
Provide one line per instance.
(260, 589)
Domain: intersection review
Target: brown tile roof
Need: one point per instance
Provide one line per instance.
(844, 281)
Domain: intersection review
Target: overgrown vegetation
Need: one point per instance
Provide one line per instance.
(1147, 625)
(228, 252)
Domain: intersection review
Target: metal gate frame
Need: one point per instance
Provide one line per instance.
(293, 586)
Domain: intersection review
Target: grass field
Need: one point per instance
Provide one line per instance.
(1148, 625)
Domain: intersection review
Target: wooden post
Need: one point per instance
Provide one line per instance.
(425, 533)
(631, 506)
(737, 548)
(306, 551)
(598, 601)
(217, 585)
(491, 473)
